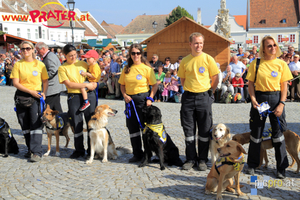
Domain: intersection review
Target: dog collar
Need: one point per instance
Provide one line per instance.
(60, 124)
(2, 125)
(159, 129)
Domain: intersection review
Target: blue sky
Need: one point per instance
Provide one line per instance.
(121, 12)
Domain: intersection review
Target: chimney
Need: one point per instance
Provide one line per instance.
(199, 16)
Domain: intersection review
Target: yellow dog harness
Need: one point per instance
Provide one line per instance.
(228, 161)
(157, 128)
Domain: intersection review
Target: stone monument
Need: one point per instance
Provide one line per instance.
(223, 26)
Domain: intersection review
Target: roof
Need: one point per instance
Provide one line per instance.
(95, 23)
(177, 22)
(273, 12)
(14, 39)
(111, 29)
(241, 20)
(142, 24)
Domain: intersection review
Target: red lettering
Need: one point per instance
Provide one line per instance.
(58, 14)
(51, 15)
(15, 17)
(64, 15)
(87, 17)
(34, 14)
(43, 16)
(24, 17)
(72, 15)
(5, 17)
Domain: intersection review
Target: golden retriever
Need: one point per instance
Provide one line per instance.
(100, 139)
(220, 135)
(220, 175)
(56, 124)
(292, 145)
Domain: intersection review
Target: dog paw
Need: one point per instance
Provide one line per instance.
(5, 156)
(219, 197)
(162, 168)
(104, 160)
(142, 165)
(241, 194)
(114, 157)
(47, 153)
(89, 162)
(57, 154)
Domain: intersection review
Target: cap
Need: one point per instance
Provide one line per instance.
(91, 54)
(101, 59)
(123, 49)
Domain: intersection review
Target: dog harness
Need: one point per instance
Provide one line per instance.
(9, 132)
(267, 134)
(159, 129)
(228, 161)
(60, 124)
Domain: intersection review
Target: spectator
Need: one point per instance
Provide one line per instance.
(2, 79)
(111, 52)
(254, 50)
(240, 52)
(251, 58)
(245, 89)
(123, 52)
(176, 65)
(8, 69)
(155, 63)
(291, 50)
(246, 54)
(52, 50)
(16, 52)
(238, 84)
(173, 88)
(113, 82)
(227, 78)
(168, 66)
(237, 66)
(102, 81)
(295, 87)
(167, 83)
(220, 77)
(284, 53)
(2, 65)
(288, 58)
(160, 75)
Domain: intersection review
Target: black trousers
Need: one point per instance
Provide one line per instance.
(76, 118)
(133, 124)
(196, 111)
(31, 125)
(257, 125)
(54, 102)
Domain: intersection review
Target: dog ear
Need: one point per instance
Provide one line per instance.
(240, 148)
(227, 130)
(55, 112)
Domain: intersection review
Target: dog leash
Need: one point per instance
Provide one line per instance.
(2, 125)
(42, 103)
(127, 112)
(266, 113)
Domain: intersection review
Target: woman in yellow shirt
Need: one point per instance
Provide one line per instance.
(70, 74)
(270, 81)
(135, 80)
(28, 76)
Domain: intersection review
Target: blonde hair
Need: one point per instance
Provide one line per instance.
(196, 34)
(31, 45)
(168, 73)
(262, 46)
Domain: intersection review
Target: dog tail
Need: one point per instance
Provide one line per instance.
(122, 150)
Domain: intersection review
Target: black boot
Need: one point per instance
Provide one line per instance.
(27, 141)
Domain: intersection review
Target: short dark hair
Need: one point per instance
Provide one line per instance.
(68, 48)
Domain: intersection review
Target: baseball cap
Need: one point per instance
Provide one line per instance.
(122, 49)
(91, 54)
(100, 59)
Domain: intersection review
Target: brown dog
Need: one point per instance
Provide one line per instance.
(56, 124)
(229, 164)
(292, 144)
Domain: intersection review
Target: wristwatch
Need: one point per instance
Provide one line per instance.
(282, 102)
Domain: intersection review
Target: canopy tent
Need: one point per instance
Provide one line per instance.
(7, 39)
(50, 43)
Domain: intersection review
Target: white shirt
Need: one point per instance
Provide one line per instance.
(294, 66)
(175, 66)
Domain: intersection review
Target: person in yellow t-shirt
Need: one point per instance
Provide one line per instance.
(70, 74)
(93, 75)
(198, 73)
(135, 80)
(30, 77)
(270, 82)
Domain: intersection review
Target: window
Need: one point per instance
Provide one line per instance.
(263, 21)
(44, 34)
(36, 34)
(279, 38)
(28, 34)
(76, 38)
(255, 39)
(6, 29)
(292, 38)
(18, 32)
(283, 21)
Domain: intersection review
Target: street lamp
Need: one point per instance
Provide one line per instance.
(71, 6)
(154, 25)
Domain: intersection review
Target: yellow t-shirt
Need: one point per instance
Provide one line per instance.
(271, 73)
(72, 72)
(138, 79)
(30, 74)
(95, 71)
(197, 72)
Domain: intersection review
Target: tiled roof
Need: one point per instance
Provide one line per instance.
(111, 29)
(273, 12)
(241, 20)
(95, 23)
(143, 24)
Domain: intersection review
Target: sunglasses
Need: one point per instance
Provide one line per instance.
(270, 46)
(135, 53)
(27, 49)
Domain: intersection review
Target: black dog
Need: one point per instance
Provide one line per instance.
(8, 143)
(156, 139)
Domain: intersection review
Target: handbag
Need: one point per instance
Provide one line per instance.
(23, 99)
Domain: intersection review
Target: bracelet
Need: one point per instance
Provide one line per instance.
(150, 98)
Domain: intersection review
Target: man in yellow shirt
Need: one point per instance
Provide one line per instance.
(199, 77)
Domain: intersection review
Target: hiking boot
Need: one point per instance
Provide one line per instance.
(202, 166)
(250, 171)
(35, 158)
(77, 154)
(84, 106)
(188, 165)
(135, 159)
(28, 154)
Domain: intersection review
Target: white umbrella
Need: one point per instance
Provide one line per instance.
(51, 43)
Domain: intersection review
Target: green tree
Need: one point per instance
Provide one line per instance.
(176, 14)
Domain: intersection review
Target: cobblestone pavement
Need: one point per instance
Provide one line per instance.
(64, 178)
